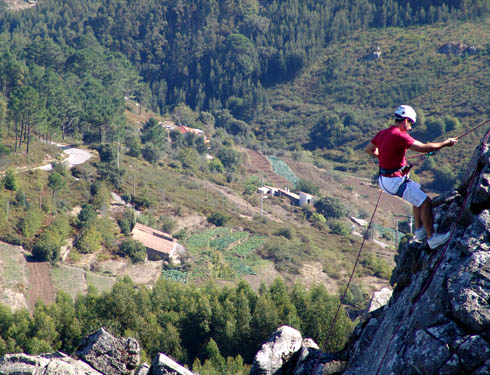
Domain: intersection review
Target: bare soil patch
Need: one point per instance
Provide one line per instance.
(19, 4)
(312, 273)
(258, 164)
(40, 286)
(143, 273)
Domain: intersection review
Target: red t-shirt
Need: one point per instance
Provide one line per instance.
(392, 145)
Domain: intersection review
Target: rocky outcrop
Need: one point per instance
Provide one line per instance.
(457, 49)
(276, 351)
(163, 365)
(437, 320)
(108, 354)
(375, 54)
(99, 354)
(286, 352)
(46, 364)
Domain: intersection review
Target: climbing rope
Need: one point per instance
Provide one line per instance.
(441, 257)
(334, 321)
(458, 138)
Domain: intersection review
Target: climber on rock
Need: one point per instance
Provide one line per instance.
(390, 146)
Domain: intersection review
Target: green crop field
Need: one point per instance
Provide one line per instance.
(221, 253)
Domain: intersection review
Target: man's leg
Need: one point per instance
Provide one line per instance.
(426, 216)
(416, 217)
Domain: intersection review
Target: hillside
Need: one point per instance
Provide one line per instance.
(186, 109)
(341, 100)
(174, 196)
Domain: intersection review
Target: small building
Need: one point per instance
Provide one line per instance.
(304, 199)
(159, 245)
(300, 199)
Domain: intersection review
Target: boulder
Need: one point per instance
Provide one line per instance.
(457, 48)
(276, 351)
(108, 354)
(163, 365)
(47, 364)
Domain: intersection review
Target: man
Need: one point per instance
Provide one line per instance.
(390, 146)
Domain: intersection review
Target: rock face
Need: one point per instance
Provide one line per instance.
(108, 354)
(48, 364)
(100, 354)
(457, 49)
(438, 319)
(276, 351)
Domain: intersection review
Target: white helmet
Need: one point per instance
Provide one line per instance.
(405, 111)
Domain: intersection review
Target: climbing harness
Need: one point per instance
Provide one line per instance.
(401, 189)
(383, 172)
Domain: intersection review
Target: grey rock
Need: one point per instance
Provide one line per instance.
(276, 351)
(428, 354)
(473, 352)
(54, 364)
(379, 299)
(142, 370)
(108, 354)
(163, 365)
(457, 49)
(469, 292)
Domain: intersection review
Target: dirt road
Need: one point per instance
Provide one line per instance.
(75, 156)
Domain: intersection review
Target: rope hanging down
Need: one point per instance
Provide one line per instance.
(334, 321)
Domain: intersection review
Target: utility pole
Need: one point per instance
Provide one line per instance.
(261, 203)
(118, 145)
(396, 234)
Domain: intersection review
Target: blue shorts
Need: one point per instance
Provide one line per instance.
(413, 192)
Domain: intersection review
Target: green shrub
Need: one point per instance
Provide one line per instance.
(355, 296)
(377, 266)
(10, 181)
(219, 219)
(330, 207)
(286, 232)
(306, 187)
(90, 240)
(86, 216)
(32, 222)
(134, 250)
(168, 224)
(339, 227)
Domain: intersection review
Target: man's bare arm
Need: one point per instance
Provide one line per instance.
(433, 146)
(372, 150)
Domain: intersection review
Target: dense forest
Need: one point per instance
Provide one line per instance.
(210, 55)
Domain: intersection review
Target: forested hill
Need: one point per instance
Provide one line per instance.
(215, 54)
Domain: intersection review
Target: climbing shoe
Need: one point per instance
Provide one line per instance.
(438, 239)
(420, 234)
